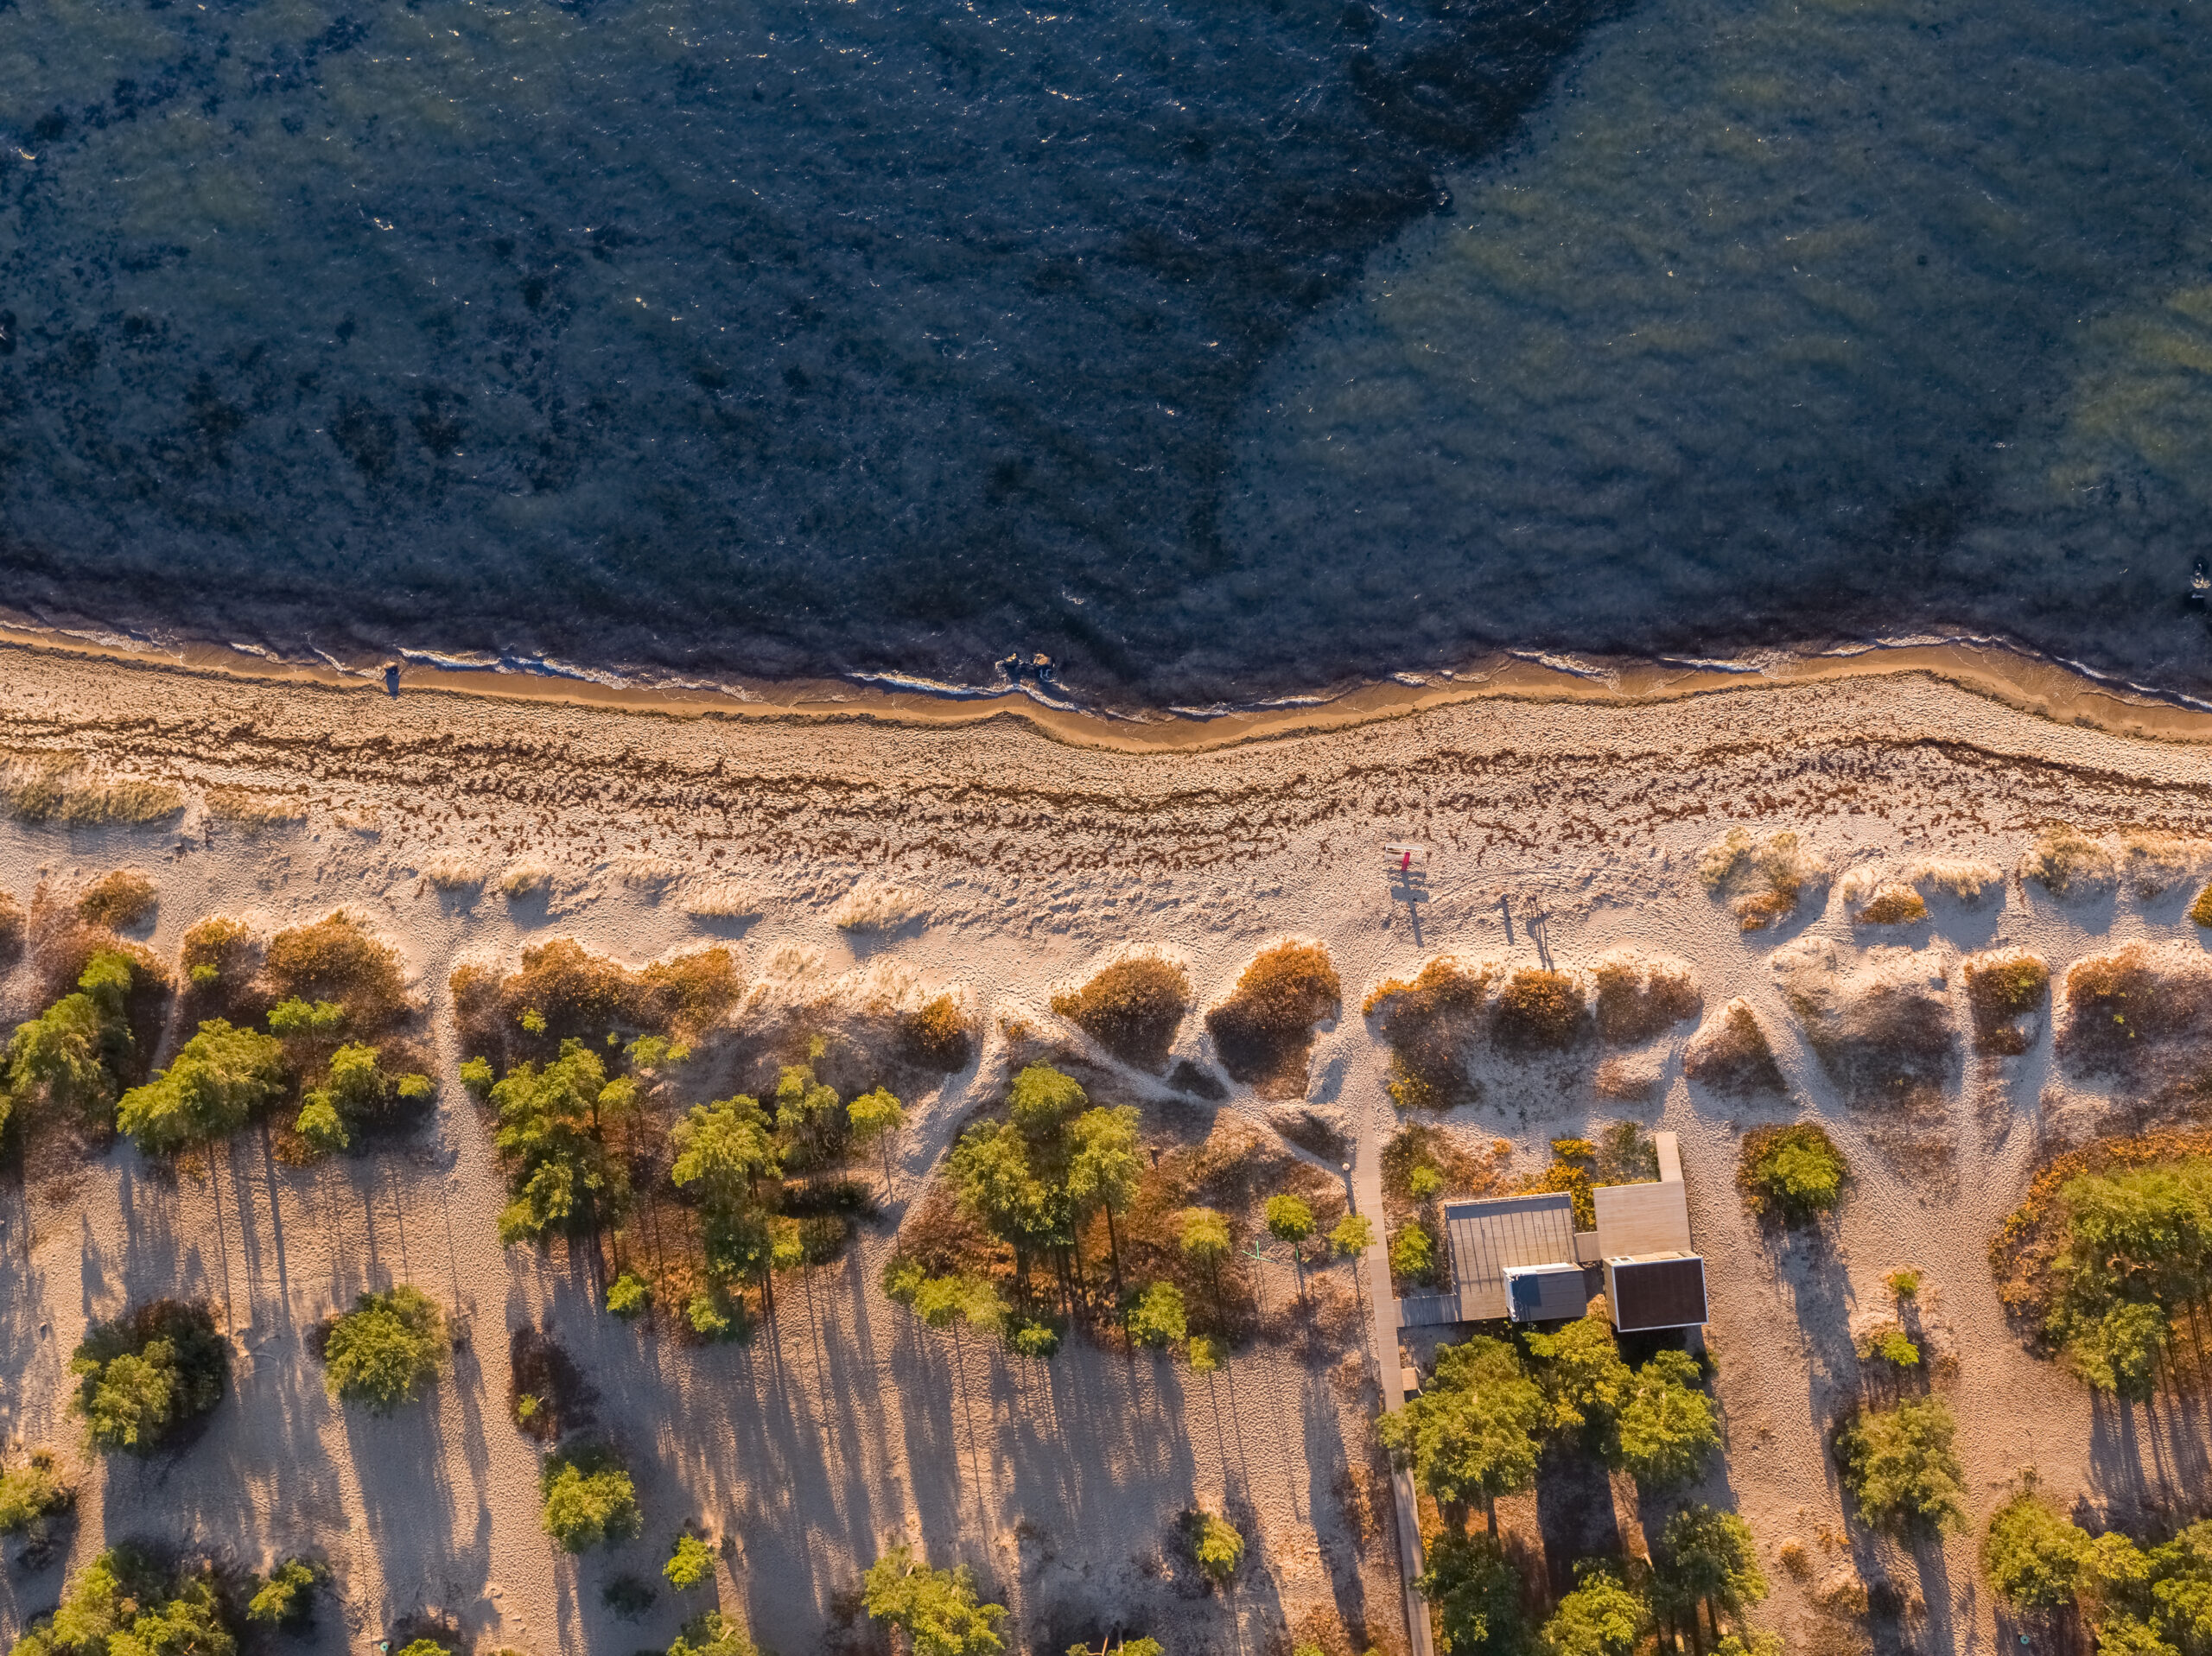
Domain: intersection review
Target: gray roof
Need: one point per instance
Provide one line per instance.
(1482, 1238)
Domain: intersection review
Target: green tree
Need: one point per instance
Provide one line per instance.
(1707, 1557)
(712, 1634)
(588, 1498)
(938, 1610)
(1353, 1235)
(1476, 1594)
(2034, 1557)
(285, 1597)
(125, 1602)
(1585, 1380)
(627, 1296)
(1203, 1236)
(297, 1018)
(1104, 1170)
(1158, 1319)
(1603, 1616)
(1793, 1173)
(1898, 1465)
(1291, 1221)
(691, 1563)
(560, 1177)
(148, 1372)
(875, 1117)
(356, 1091)
(812, 1124)
(71, 1055)
(1470, 1435)
(32, 1493)
(1665, 1431)
(2120, 1351)
(1413, 1253)
(385, 1349)
(219, 1079)
(724, 1152)
(1218, 1547)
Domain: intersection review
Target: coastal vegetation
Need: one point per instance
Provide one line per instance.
(1133, 1007)
(936, 1612)
(1264, 1032)
(1899, 1466)
(2132, 1596)
(1429, 1022)
(590, 1499)
(145, 1377)
(1791, 1173)
(129, 1600)
(1640, 997)
(384, 1351)
(117, 900)
(1761, 878)
(2067, 863)
(2107, 1263)
(32, 1493)
(1733, 1056)
(2007, 989)
(65, 790)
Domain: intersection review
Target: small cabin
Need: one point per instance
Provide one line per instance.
(1521, 1258)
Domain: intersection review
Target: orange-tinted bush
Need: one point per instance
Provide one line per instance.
(338, 959)
(937, 1036)
(1637, 1000)
(1732, 1055)
(2005, 989)
(1429, 1024)
(122, 898)
(1264, 1032)
(1132, 1007)
(1538, 1011)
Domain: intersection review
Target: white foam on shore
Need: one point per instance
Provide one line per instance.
(915, 684)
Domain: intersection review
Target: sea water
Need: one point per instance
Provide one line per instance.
(1218, 350)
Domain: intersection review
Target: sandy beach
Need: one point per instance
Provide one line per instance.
(1562, 818)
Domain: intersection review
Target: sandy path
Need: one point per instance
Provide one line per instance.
(846, 1427)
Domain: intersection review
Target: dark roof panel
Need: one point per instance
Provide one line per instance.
(1664, 1293)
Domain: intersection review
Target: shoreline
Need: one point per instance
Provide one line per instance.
(2006, 673)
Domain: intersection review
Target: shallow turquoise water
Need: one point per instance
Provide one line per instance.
(1215, 350)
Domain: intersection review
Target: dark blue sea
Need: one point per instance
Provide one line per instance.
(1217, 348)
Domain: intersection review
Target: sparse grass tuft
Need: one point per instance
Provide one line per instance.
(1264, 1032)
(523, 878)
(1793, 1174)
(2067, 863)
(722, 899)
(122, 898)
(1538, 1011)
(1132, 1007)
(1962, 880)
(1873, 901)
(1638, 997)
(241, 808)
(65, 792)
(449, 874)
(2006, 988)
(1765, 878)
(2154, 862)
(1428, 1023)
(1732, 1055)
(876, 905)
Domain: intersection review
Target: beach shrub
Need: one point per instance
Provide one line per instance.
(1428, 1023)
(1217, 1545)
(589, 1497)
(2067, 863)
(147, 1374)
(1289, 1220)
(1888, 1344)
(627, 1296)
(127, 1603)
(712, 1634)
(1351, 1235)
(72, 1055)
(1732, 1055)
(629, 1596)
(2032, 1556)
(385, 1349)
(1413, 1257)
(938, 1035)
(218, 1080)
(1892, 905)
(1793, 1174)
(2006, 988)
(723, 899)
(1639, 998)
(12, 930)
(32, 1493)
(938, 1610)
(218, 957)
(1584, 1379)
(65, 790)
(691, 1563)
(1763, 879)
(122, 898)
(338, 959)
(1264, 1032)
(1476, 1594)
(1538, 1011)
(1470, 1435)
(2200, 911)
(285, 1596)
(1898, 1465)
(1132, 1007)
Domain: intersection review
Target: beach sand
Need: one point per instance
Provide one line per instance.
(1557, 828)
